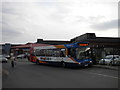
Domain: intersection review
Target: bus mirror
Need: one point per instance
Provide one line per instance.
(69, 56)
(87, 49)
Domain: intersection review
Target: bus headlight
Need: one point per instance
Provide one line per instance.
(79, 63)
(90, 61)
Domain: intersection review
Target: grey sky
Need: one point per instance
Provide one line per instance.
(106, 25)
(25, 21)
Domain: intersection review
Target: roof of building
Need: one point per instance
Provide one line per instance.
(53, 42)
(91, 37)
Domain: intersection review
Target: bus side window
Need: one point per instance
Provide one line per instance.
(56, 53)
(62, 54)
(42, 52)
(49, 52)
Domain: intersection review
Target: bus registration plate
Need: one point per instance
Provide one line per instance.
(86, 65)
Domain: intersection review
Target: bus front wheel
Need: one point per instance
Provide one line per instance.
(63, 64)
(37, 62)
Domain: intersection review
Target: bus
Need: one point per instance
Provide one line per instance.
(73, 54)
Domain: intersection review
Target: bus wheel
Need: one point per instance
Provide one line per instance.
(37, 62)
(63, 64)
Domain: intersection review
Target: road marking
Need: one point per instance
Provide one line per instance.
(102, 75)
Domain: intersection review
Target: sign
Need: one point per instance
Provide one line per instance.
(83, 44)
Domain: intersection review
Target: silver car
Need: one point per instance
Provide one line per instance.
(3, 59)
(21, 56)
(110, 60)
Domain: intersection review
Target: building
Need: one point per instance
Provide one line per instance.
(6, 48)
(52, 42)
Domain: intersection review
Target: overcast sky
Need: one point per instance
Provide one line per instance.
(26, 20)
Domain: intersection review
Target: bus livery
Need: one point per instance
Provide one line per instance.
(74, 54)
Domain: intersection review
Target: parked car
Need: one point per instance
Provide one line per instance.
(21, 56)
(7, 56)
(3, 59)
(110, 60)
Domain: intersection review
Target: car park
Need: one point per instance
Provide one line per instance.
(3, 59)
(110, 60)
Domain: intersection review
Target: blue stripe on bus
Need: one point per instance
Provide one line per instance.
(75, 45)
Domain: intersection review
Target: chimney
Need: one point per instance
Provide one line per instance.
(39, 40)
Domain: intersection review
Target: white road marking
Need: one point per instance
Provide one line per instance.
(102, 75)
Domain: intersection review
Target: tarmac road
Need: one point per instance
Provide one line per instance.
(0, 75)
(29, 75)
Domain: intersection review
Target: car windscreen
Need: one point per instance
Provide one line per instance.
(108, 57)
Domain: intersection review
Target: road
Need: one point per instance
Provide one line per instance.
(0, 75)
(29, 75)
